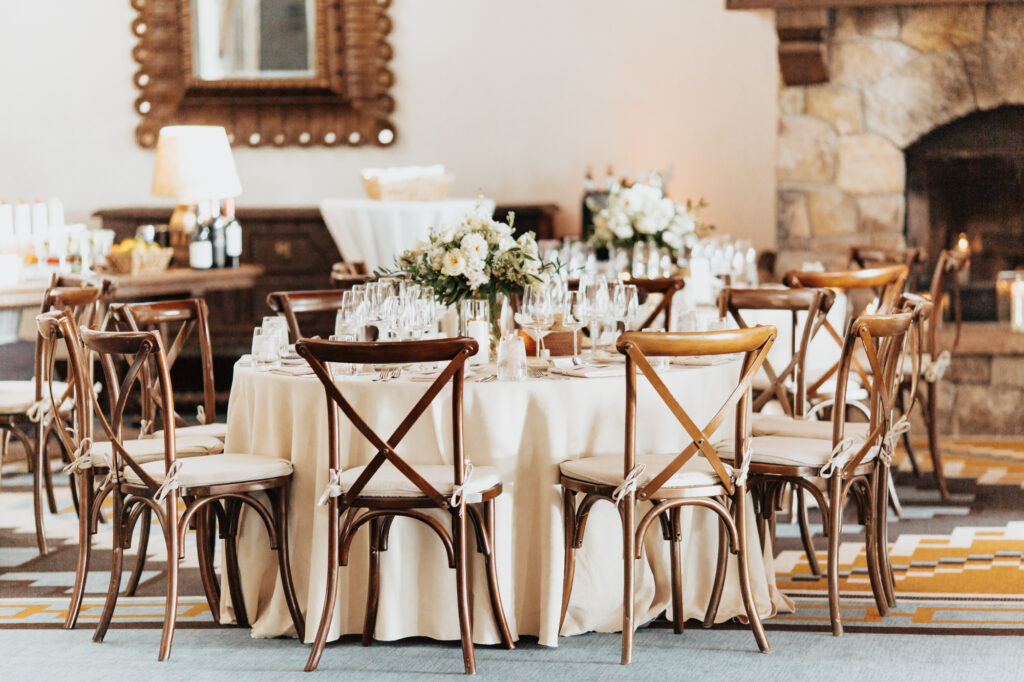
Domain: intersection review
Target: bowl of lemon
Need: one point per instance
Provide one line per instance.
(137, 257)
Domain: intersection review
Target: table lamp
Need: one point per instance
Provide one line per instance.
(193, 164)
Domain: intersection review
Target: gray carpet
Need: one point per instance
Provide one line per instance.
(214, 654)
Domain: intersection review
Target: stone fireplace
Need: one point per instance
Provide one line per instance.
(895, 75)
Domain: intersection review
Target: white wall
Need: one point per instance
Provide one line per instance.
(514, 96)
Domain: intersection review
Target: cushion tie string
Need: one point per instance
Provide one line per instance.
(934, 369)
(629, 485)
(458, 498)
(39, 411)
(838, 458)
(144, 426)
(892, 437)
(170, 483)
(81, 459)
(739, 476)
(333, 488)
(201, 414)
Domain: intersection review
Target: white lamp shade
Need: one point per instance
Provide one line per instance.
(195, 163)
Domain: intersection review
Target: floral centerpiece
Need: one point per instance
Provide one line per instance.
(475, 258)
(642, 213)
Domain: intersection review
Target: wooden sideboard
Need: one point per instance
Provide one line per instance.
(296, 252)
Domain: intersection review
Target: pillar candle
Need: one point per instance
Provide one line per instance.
(1017, 306)
(480, 331)
(40, 224)
(6, 223)
(22, 222)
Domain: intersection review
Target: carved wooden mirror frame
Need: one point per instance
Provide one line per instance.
(345, 103)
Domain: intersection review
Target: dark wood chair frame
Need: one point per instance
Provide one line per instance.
(84, 303)
(882, 339)
(667, 503)
(349, 511)
(925, 388)
(131, 500)
(878, 256)
(291, 304)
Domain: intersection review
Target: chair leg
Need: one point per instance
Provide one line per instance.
(116, 567)
(47, 470)
(835, 530)
(462, 588)
(871, 546)
(373, 585)
(893, 497)
(171, 607)
(332, 587)
(32, 457)
(85, 483)
(743, 558)
(204, 549)
(280, 502)
(882, 543)
(234, 512)
(911, 457)
(145, 525)
(931, 419)
(627, 510)
(676, 551)
(711, 612)
(492, 579)
(806, 536)
(569, 565)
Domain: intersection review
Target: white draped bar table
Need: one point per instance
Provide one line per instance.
(374, 231)
(524, 429)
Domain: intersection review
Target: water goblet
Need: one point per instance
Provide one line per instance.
(265, 349)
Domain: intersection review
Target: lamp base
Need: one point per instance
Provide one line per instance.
(180, 228)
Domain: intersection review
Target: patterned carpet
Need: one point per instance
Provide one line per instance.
(959, 567)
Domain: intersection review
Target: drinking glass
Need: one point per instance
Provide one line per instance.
(536, 315)
(574, 318)
(599, 305)
(343, 368)
(265, 349)
(275, 324)
(511, 358)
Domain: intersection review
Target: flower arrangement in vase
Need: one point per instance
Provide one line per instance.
(477, 258)
(642, 213)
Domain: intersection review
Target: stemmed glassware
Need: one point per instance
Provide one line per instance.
(537, 315)
(599, 309)
(575, 312)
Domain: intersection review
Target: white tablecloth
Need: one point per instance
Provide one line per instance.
(524, 429)
(376, 231)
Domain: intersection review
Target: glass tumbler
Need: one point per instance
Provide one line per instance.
(511, 359)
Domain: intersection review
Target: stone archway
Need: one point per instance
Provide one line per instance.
(897, 73)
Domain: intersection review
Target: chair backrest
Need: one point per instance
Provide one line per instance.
(140, 349)
(881, 339)
(176, 322)
(667, 287)
(947, 270)
(754, 343)
(291, 304)
(890, 281)
(355, 267)
(453, 351)
(815, 304)
(56, 327)
(876, 256)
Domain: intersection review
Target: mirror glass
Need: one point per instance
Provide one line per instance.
(253, 39)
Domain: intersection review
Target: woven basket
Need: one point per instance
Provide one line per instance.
(426, 188)
(139, 261)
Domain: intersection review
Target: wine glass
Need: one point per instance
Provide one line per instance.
(598, 304)
(536, 315)
(575, 312)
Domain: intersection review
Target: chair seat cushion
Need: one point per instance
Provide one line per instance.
(607, 470)
(152, 449)
(217, 470)
(790, 451)
(388, 481)
(854, 391)
(17, 397)
(781, 425)
(215, 430)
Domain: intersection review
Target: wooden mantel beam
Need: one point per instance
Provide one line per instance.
(831, 4)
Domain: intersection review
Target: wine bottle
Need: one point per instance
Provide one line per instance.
(232, 235)
(217, 236)
(200, 247)
(588, 181)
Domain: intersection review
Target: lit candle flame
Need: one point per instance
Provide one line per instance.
(961, 243)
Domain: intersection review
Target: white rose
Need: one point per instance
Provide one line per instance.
(454, 263)
(474, 246)
(505, 243)
(672, 240)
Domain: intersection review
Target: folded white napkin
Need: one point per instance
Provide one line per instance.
(704, 360)
(590, 371)
(293, 370)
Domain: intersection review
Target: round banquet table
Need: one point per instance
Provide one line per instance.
(524, 429)
(374, 231)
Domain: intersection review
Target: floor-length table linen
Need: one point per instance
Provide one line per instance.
(375, 231)
(524, 429)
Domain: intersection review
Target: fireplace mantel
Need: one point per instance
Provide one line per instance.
(803, 27)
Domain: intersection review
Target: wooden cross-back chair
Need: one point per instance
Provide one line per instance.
(880, 256)
(834, 469)
(935, 359)
(668, 287)
(179, 322)
(815, 305)
(26, 412)
(696, 476)
(345, 275)
(291, 304)
(888, 280)
(213, 485)
(366, 495)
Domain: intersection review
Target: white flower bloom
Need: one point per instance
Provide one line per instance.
(474, 246)
(454, 263)
(505, 243)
